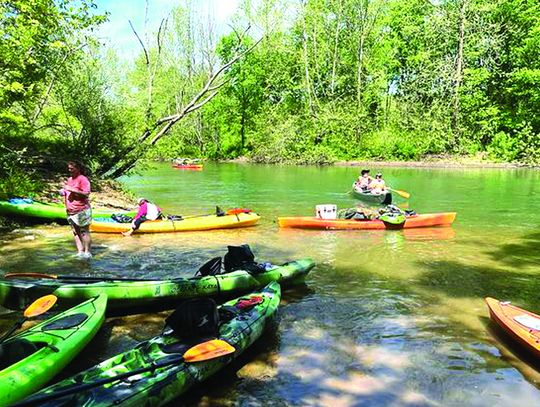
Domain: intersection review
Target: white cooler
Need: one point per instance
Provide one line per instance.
(326, 211)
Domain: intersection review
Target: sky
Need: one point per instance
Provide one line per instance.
(118, 34)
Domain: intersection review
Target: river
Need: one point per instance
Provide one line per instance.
(386, 317)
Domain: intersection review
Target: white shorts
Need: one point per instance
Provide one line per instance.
(82, 218)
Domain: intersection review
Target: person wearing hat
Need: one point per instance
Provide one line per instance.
(363, 181)
(147, 211)
(377, 185)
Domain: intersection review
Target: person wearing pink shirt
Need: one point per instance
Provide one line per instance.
(147, 211)
(79, 213)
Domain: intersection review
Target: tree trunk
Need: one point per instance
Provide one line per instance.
(459, 72)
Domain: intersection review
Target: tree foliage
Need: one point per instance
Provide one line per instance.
(330, 80)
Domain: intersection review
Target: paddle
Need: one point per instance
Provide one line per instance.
(403, 194)
(212, 349)
(38, 307)
(72, 277)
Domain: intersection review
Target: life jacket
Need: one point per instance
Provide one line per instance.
(152, 211)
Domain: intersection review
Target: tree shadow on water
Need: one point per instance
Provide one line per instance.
(458, 280)
(525, 253)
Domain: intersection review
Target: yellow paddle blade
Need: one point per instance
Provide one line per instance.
(40, 306)
(214, 348)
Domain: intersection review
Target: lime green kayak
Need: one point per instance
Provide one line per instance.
(26, 208)
(58, 340)
(124, 294)
(155, 372)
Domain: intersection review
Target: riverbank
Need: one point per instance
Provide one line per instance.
(436, 161)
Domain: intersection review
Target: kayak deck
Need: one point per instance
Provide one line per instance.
(415, 221)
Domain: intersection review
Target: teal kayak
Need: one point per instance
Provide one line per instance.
(27, 208)
(49, 347)
(154, 372)
(381, 199)
(124, 294)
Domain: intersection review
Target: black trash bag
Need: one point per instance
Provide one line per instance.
(195, 318)
(118, 217)
(241, 258)
(210, 268)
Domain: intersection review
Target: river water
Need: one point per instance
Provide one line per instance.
(386, 318)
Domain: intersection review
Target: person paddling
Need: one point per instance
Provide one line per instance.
(147, 211)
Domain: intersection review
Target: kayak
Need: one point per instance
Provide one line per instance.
(188, 166)
(382, 199)
(414, 221)
(58, 340)
(523, 326)
(154, 373)
(207, 222)
(41, 210)
(124, 294)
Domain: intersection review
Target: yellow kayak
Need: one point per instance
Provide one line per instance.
(189, 224)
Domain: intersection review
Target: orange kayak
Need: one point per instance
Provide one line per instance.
(415, 221)
(522, 325)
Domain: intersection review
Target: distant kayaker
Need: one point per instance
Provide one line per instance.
(377, 185)
(147, 211)
(79, 214)
(363, 180)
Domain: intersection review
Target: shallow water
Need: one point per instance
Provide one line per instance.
(386, 318)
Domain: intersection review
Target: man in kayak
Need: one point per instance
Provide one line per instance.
(363, 181)
(377, 185)
(79, 214)
(147, 211)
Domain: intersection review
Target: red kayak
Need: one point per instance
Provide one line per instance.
(188, 166)
(415, 221)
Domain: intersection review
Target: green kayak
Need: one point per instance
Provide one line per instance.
(27, 208)
(382, 199)
(49, 347)
(155, 372)
(124, 294)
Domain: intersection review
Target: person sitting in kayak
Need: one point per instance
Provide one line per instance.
(147, 211)
(377, 185)
(362, 184)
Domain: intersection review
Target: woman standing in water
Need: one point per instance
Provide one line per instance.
(79, 214)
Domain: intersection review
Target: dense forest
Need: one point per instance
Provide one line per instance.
(306, 81)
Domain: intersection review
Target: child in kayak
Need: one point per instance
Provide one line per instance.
(147, 211)
(377, 185)
(362, 184)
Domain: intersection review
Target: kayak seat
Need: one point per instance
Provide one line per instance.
(67, 322)
(210, 268)
(176, 347)
(195, 318)
(14, 351)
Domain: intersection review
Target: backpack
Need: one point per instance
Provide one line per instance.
(194, 319)
(241, 258)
